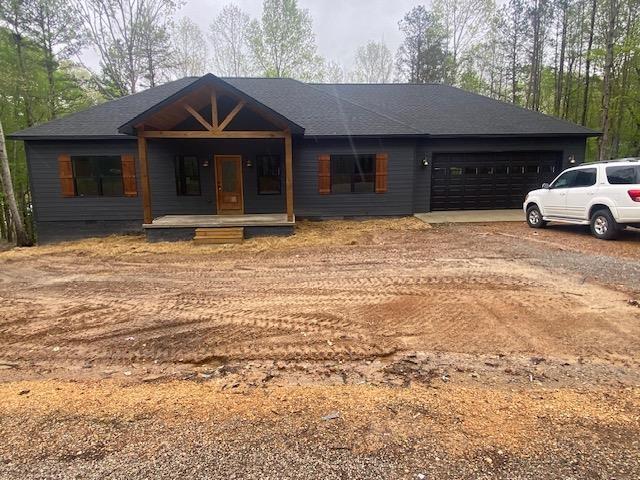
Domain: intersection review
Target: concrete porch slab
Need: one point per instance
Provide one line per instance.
(472, 216)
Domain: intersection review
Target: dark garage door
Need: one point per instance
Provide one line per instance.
(481, 181)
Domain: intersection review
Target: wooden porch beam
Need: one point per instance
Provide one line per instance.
(288, 168)
(198, 117)
(214, 109)
(212, 134)
(144, 176)
(232, 115)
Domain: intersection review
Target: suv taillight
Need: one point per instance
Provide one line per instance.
(635, 195)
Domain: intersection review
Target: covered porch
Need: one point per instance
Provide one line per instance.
(212, 157)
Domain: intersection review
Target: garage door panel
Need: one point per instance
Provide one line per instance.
(487, 180)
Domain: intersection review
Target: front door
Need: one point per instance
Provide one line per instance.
(229, 184)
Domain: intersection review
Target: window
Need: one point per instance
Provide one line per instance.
(187, 175)
(269, 174)
(97, 176)
(576, 178)
(585, 178)
(353, 173)
(624, 175)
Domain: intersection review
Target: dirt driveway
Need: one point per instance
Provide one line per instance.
(428, 351)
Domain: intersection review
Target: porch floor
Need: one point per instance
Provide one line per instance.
(212, 221)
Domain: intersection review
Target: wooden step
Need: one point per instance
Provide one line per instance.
(218, 235)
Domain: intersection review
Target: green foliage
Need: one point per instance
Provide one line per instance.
(18, 90)
(283, 42)
(421, 56)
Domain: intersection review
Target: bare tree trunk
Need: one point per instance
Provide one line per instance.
(568, 89)
(560, 71)
(3, 223)
(587, 75)
(607, 81)
(22, 239)
(624, 87)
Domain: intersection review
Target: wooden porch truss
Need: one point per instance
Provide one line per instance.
(213, 130)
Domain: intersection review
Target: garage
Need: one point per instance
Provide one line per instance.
(489, 180)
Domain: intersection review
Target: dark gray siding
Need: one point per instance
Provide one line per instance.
(398, 200)
(59, 217)
(50, 205)
(164, 198)
(422, 185)
(408, 191)
(61, 231)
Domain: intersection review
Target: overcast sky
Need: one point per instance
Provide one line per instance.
(341, 26)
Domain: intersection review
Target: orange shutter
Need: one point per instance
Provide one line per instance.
(324, 174)
(381, 172)
(65, 172)
(129, 175)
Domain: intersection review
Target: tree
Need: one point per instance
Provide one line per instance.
(14, 15)
(421, 57)
(22, 238)
(563, 20)
(587, 75)
(610, 36)
(56, 30)
(121, 31)
(513, 29)
(538, 13)
(333, 73)
(373, 64)
(156, 50)
(190, 49)
(283, 43)
(463, 22)
(229, 35)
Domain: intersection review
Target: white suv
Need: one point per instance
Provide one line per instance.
(605, 195)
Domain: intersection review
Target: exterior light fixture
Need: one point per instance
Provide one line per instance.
(572, 159)
(425, 160)
(248, 163)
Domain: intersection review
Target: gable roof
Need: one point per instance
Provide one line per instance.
(327, 110)
(205, 81)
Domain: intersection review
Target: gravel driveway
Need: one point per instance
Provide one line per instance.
(376, 349)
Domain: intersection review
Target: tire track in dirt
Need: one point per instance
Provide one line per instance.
(329, 303)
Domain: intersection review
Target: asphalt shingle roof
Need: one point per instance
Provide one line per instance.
(446, 110)
(334, 109)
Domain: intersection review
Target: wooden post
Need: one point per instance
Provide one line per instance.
(288, 168)
(144, 176)
(214, 109)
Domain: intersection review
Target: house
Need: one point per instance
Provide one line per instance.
(259, 152)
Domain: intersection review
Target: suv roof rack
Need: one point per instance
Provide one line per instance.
(615, 160)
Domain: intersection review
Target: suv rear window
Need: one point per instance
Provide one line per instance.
(624, 175)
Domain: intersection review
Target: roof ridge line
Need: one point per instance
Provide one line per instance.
(380, 114)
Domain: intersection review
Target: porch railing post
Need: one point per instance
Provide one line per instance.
(288, 167)
(144, 176)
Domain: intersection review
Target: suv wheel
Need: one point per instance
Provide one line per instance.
(604, 226)
(534, 217)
